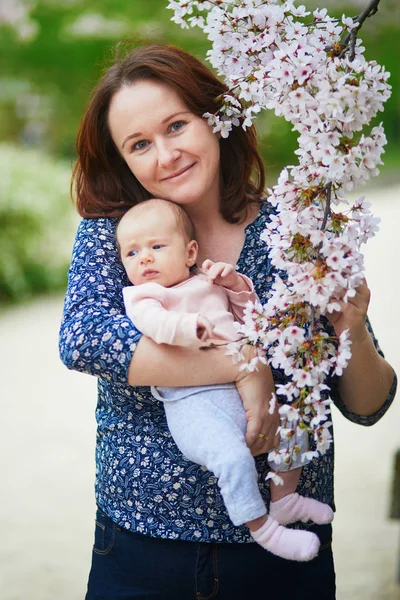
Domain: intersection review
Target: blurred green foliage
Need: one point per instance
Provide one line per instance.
(45, 84)
(37, 223)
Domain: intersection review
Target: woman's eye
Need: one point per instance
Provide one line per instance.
(177, 126)
(140, 145)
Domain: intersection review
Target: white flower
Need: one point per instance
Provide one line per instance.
(294, 334)
(289, 412)
(348, 22)
(309, 455)
(275, 477)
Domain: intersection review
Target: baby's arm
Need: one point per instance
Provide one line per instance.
(162, 325)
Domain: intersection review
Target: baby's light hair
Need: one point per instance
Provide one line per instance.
(183, 221)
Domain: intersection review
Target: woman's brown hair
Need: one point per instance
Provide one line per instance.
(103, 184)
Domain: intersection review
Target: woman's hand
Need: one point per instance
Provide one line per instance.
(256, 389)
(352, 314)
(367, 379)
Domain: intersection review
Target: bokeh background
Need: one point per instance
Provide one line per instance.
(51, 54)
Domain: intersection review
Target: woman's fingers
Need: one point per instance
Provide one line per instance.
(263, 438)
(352, 313)
(261, 432)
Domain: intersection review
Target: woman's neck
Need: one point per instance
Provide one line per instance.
(205, 218)
(210, 219)
(218, 239)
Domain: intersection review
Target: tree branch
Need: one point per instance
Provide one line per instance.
(349, 41)
(327, 211)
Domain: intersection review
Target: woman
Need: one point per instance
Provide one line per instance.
(161, 528)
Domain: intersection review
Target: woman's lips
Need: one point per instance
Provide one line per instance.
(178, 173)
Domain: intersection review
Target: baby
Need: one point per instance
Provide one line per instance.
(171, 306)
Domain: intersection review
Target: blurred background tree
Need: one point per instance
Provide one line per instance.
(52, 52)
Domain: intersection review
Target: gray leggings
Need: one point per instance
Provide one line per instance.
(208, 425)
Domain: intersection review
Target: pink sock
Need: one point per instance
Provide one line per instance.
(294, 507)
(292, 544)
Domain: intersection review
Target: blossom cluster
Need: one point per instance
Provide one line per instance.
(278, 56)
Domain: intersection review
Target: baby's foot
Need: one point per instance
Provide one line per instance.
(294, 507)
(291, 544)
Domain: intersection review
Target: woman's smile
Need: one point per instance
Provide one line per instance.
(179, 174)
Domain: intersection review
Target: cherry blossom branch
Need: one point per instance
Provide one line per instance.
(261, 48)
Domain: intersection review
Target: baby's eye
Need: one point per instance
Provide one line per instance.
(177, 126)
(158, 246)
(140, 145)
(132, 252)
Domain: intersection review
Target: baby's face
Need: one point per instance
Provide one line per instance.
(153, 249)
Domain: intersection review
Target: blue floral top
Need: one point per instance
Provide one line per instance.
(143, 483)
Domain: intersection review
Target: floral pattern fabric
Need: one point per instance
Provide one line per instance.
(143, 482)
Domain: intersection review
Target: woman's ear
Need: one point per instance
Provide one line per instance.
(192, 251)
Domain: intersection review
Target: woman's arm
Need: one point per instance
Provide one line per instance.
(175, 366)
(96, 337)
(368, 382)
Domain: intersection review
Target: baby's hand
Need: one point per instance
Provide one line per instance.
(221, 273)
(204, 328)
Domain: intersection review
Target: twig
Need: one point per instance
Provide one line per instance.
(211, 346)
(349, 41)
(312, 323)
(327, 211)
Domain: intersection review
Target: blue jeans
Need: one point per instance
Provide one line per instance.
(128, 566)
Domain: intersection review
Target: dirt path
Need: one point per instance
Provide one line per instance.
(48, 434)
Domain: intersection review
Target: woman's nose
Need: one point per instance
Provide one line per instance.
(167, 154)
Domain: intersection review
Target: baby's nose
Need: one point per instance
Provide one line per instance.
(146, 256)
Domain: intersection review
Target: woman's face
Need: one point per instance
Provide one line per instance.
(173, 153)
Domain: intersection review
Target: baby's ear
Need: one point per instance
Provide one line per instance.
(192, 251)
